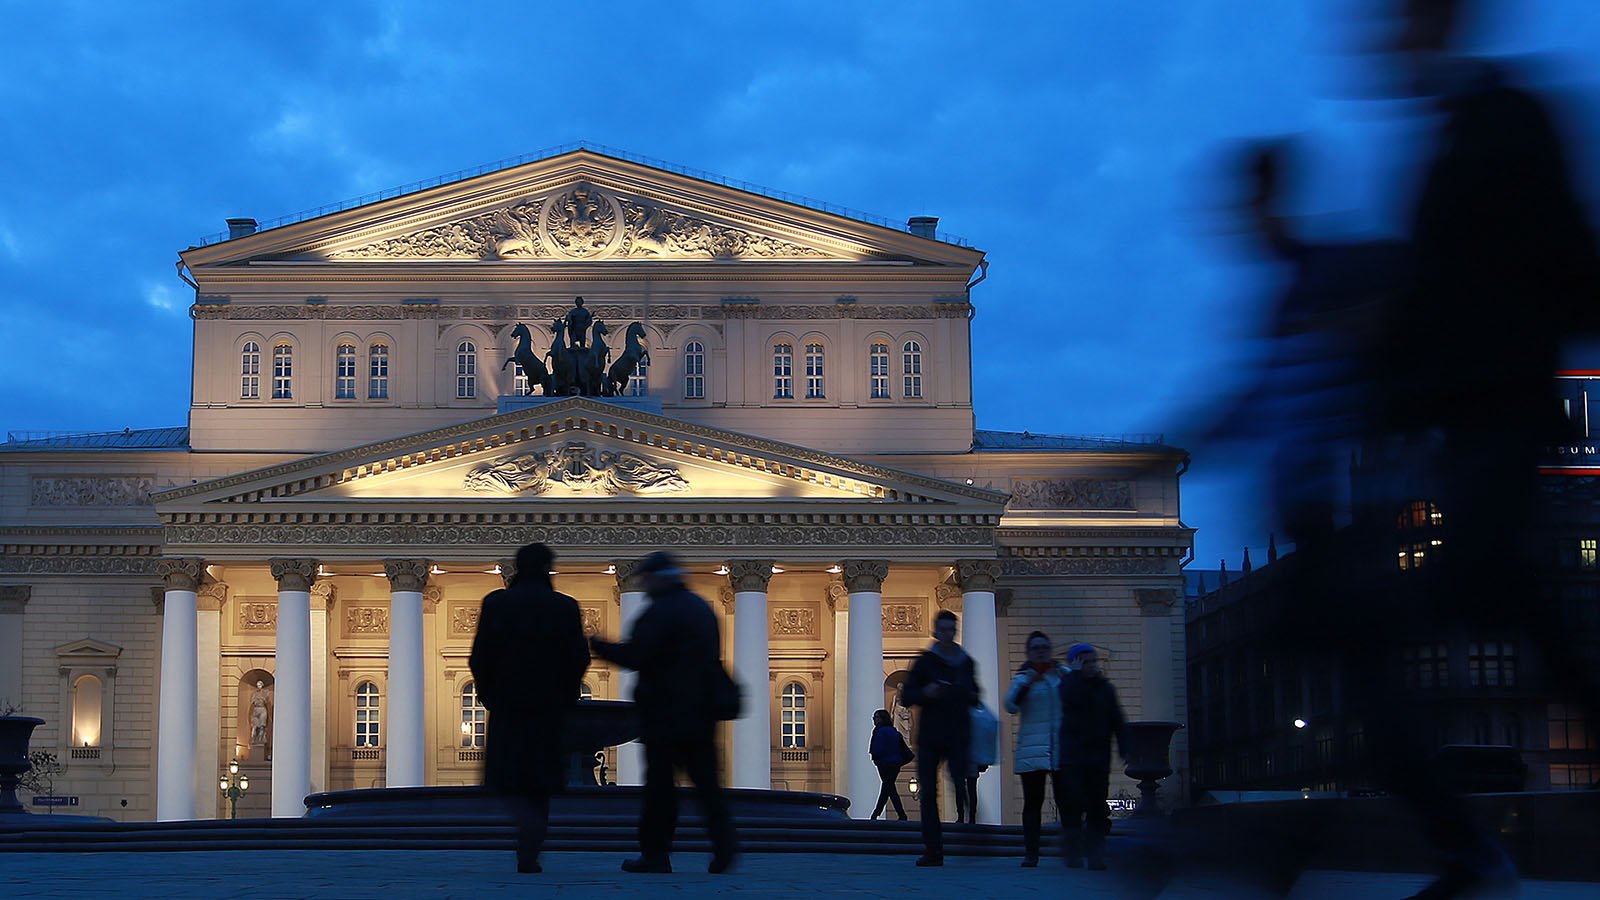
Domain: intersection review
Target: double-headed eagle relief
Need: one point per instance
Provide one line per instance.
(580, 363)
(582, 222)
(577, 468)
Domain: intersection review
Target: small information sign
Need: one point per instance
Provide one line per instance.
(55, 801)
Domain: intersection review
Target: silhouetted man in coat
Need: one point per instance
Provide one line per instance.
(676, 649)
(1091, 716)
(528, 659)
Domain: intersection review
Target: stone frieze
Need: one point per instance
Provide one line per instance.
(578, 535)
(91, 490)
(1072, 493)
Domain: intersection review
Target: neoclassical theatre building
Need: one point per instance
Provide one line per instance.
(293, 580)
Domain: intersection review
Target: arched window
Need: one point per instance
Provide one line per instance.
(878, 370)
(911, 374)
(815, 389)
(1418, 526)
(250, 371)
(585, 692)
(639, 384)
(782, 372)
(367, 714)
(694, 371)
(792, 716)
(378, 372)
(344, 367)
(474, 718)
(86, 705)
(282, 372)
(466, 370)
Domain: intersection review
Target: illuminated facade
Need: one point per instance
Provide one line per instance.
(294, 578)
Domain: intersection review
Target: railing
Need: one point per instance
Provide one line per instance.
(85, 753)
(799, 755)
(511, 161)
(358, 754)
(469, 756)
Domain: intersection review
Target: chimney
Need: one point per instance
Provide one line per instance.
(238, 228)
(923, 226)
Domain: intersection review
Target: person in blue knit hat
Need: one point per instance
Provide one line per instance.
(1090, 717)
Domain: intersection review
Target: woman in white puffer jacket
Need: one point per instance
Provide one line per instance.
(1035, 699)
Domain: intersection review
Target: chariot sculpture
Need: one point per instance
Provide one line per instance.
(580, 363)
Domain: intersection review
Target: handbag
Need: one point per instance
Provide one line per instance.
(727, 698)
(985, 737)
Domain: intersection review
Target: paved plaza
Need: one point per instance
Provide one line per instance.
(385, 875)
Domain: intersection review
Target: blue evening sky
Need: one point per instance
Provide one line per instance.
(1075, 142)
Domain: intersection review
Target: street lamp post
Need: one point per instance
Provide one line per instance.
(233, 786)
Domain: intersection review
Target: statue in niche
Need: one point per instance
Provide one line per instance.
(900, 715)
(260, 713)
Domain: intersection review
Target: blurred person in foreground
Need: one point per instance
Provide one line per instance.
(1091, 716)
(1435, 355)
(528, 659)
(944, 682)
(676, 649)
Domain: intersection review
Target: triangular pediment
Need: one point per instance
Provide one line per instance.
(583, 207)
(581, 453)
(89, 649)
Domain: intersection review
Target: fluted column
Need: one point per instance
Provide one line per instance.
(752, 731)
(1155, 655)
(176, 725)
(291, 716)
(863, 578)
(980, 637)
(630, 603)
(406, 747)
(322, 598)
(209, 599)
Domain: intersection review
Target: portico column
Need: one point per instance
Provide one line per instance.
(752, 731)
(209, 599)
(291, 717)
(175, 737)
(980, 636)
(863, 578)
(630, 603)
(407, 740)
(1155, 654)
(13, 604)
(322, 597)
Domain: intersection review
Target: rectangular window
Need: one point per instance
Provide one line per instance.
(344, 382)
(378, 372)
(1426, 666)
(814, 385)
(1492, 664)
(1568, 777)
(639, 384)
(1586, 553)
(1570, 729)
(878, 371)
(282, 372)
(782, 372)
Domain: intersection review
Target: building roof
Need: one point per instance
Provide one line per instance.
(126, 439)
(1027, 440)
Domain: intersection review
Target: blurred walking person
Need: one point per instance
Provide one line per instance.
(676, 649)
(944, 682)
(528, 659)
(1091, 716)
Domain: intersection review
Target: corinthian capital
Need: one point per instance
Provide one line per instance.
(628, 580)
(1156, 602)
(750, 574)
(293, 574)
(210, 597)
(179, 573)
(865, 575)
(977, 574)
(508, 571)
(407, 574)
(14, 598)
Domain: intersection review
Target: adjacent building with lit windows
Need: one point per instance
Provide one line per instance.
(293, 578)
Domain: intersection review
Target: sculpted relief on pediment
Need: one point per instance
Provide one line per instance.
(575, 469)
(581, 223)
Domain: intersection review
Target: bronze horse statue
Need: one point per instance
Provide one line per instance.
(628, 363)
(594, 360)
(563, 368)
(531, 365)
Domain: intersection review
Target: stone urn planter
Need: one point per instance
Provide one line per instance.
(1149, 755)
(15, 732)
